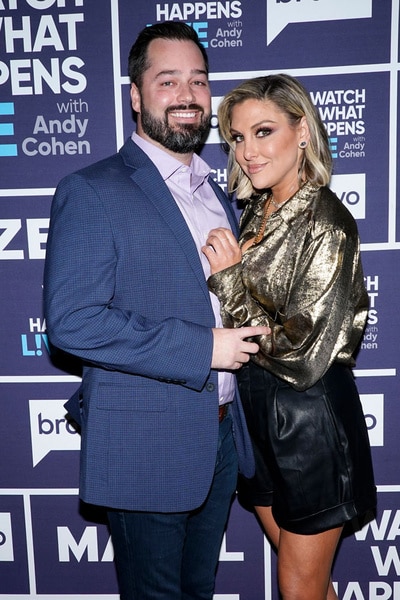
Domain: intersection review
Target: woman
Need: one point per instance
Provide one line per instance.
(297, 269)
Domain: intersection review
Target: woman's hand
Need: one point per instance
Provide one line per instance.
(221, 249)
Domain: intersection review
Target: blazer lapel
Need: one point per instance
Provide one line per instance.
(228, 207)
(144, 171)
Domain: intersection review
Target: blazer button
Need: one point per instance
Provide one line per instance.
(210, 387)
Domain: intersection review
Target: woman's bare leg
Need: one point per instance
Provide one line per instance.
(304, 561)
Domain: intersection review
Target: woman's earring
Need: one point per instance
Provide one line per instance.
(303, 144)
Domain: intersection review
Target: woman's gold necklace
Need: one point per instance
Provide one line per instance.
(270, 200)
(259, 235)
(261, 229)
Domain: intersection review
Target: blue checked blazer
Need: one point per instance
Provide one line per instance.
(125, 291)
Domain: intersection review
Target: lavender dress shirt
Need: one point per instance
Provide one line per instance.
(202, 212)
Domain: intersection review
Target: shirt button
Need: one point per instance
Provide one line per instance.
(210, 387)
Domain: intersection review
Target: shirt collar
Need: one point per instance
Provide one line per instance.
(168, 165)
(292, 206)
(298, 202)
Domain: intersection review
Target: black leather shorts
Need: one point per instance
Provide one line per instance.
(313, 459)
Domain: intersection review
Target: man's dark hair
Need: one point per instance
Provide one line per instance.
(169, 30)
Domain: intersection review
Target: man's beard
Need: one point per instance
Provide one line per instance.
(181, 139)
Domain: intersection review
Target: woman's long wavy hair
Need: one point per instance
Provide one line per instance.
(291, 98)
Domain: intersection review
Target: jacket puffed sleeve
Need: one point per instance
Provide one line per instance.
(238, 307)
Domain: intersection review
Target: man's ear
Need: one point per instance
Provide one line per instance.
(135, 98)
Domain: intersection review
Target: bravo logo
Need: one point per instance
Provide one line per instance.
(50, 430)
(350, 189)
(213, 136)
(282, 12)
(373, 409)
(6, 540)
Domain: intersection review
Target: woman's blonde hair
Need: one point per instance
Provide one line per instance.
(291, 98)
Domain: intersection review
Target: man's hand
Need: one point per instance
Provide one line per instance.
(231, 350)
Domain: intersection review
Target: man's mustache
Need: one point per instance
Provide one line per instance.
(185, 107)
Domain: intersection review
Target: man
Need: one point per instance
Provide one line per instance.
(125, 290)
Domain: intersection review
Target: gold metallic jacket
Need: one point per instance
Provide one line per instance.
(304, 280)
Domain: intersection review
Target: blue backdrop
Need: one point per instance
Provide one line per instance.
(64, 103)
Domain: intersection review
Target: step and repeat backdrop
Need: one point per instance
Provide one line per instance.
(64, 103)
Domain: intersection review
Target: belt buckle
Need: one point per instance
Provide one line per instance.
(222, 412)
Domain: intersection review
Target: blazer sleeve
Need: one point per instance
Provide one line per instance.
(81, 317)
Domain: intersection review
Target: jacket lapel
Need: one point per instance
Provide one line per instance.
(143, 172)
(230, 213)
